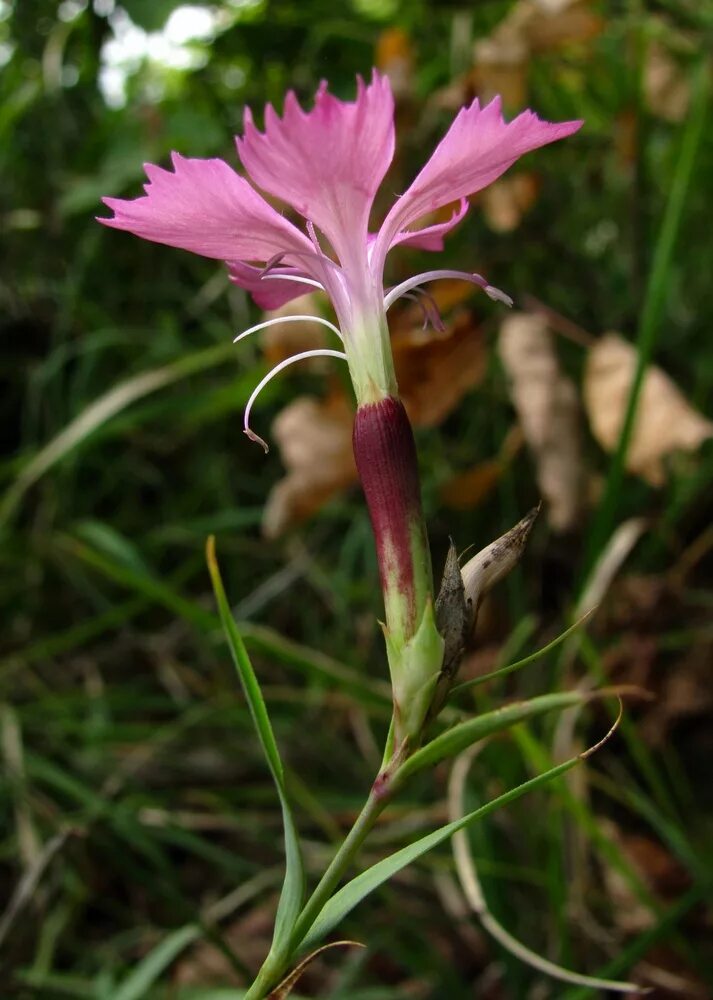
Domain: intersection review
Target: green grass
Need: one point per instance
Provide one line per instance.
(139, 825)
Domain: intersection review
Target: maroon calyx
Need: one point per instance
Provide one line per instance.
(385, 454)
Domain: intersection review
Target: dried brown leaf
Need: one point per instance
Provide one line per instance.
(507, 200)
(435, 370)
(315, 441)
(548, 408)
(667, 89)
(655, 866)
(560, 23)
(286, 986)
(285, 339)
(665, 421)
(469, 489)
(501, 65)
(395, 57)
(531, 26)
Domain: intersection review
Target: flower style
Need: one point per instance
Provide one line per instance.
(327, 164)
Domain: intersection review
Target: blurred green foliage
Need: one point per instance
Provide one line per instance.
(122, 729)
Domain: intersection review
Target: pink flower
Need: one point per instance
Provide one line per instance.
(327, 164)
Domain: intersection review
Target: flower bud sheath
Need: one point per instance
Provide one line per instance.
(385, 454)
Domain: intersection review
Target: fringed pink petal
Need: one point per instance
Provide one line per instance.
(206, 207)
(271, 290)
(478, 147)
(327, 163)
(431, 237)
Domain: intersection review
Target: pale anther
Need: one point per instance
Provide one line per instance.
(419, 279)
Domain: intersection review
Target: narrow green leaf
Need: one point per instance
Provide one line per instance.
(312, 663)
(459, 737)
(634, 951)
(526, 660)
(98, 413)
(145, 974)
(344, 901)
(293, 886)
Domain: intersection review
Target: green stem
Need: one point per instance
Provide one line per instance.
(268, 975)
(275, 966)
(372, 809)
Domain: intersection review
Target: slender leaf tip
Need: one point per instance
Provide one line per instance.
(586, 754)
(210, 556)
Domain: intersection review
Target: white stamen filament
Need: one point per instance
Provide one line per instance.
(419, 279)
(331, 281)
(288, 319)
(321, 352)
(292, 277)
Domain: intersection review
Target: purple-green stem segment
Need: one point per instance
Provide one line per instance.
(385, 454)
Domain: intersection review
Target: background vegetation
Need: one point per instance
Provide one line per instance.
(141, 850)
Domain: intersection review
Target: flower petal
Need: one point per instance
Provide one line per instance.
(431, 237)
(327, 163)
(206, 207)
(268, 291)
(478, 147)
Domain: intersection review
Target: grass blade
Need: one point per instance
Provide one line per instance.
(99, 412)
(460, 737)
(312, 663)
(157, 961)
(473, 892)
(526, 660)
(344, 901)
(293, 886)
(653, 308)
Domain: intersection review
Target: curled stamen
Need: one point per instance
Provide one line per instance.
(290, 273)
(318, 257)
(318, 263)
(419, 279)
(272, 262)
(287, 319)
(323, 268)
(322, 352)
(429, 309)
(286, 273)
(412, 297)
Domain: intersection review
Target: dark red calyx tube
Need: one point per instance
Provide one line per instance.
(385, 454)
